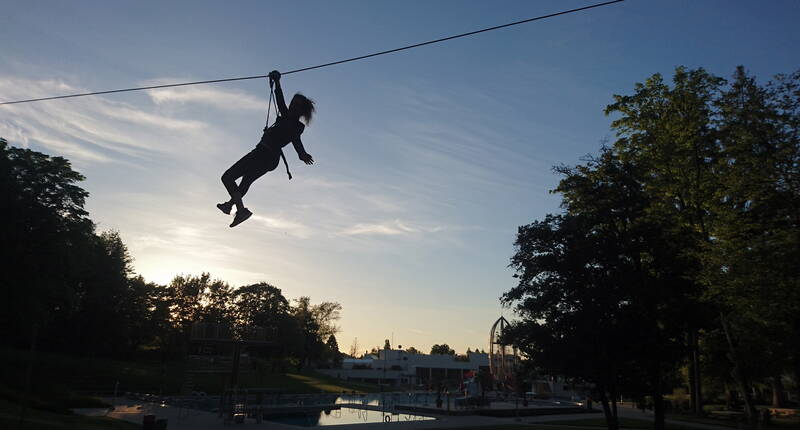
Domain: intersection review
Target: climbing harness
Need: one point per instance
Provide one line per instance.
(272, 101)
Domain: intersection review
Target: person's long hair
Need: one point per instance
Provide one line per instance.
(305, 106)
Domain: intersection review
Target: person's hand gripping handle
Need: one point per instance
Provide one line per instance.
(274, 77)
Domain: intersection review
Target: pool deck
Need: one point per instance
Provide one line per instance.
(186, 419)
(190, 419)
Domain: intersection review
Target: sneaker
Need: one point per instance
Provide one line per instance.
(225, 207)
(241, 216)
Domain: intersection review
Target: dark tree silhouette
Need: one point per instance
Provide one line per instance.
(443, 349)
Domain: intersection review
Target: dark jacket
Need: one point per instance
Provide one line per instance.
(283, 130)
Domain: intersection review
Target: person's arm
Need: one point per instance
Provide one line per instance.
(275, 76)
(301, 152)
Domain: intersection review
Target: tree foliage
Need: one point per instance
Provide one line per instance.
(443, 349)
(686, 225)
(78, 291)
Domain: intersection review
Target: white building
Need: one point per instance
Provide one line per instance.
(397, 367)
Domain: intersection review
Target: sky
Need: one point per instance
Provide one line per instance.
(427, 161)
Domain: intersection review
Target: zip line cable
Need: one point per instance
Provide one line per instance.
(389, 51)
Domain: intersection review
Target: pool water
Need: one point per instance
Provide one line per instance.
(347, 416)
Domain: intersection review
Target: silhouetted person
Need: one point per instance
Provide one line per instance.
(266, 155)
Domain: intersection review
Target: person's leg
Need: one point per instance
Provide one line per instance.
(242, 213)
(242, 187)
(229, 180)
(240, 169)
(247, 180)
(264, 162)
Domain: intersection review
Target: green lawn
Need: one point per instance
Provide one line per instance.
(315, 382)
(61, 371)
(542, 426)
(291, 383)
(58, 375)
(633, 423)
(43, 420)
(625, 423)
(61, 382)
(589, 423)
(783, 423)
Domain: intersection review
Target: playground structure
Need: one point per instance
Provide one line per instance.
(502, 357)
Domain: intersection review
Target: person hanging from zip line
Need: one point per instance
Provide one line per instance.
(266, 156)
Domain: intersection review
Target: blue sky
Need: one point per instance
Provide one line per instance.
(427, 160)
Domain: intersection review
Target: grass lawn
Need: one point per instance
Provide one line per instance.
(315, 382)
(633, 423)
(625, 423)
(88, 374)
(505, 427)
(783, 423)
(61, 382)
(43, 420)
(57, 375)
(290, 383)
(540, 426)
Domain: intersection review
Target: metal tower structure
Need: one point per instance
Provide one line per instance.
(502, 357)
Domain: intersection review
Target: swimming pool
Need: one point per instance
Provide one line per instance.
(346, 416)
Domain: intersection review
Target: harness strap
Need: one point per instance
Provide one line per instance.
(277, 113)
(286, 164)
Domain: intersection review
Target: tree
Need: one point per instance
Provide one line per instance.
(692, 212)
(264, 306)
(71, 289)
(326, 314)
(217, 303)
(54, 267)
(387, 345)
(354, 348)
(107, 318)
(186, 299)
(156, 323)
(603, 267)
(723, 160)
(311, 345)
(750, 265)
(668, 133)
(412, 350)
(442, 349)
(333, 351)
(45, 233)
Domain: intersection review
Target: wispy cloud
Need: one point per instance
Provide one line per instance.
(205, 95)
(167, 215)
(389, 228)
(93, 129)
(281, 225)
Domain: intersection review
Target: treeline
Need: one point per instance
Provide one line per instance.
(436, 349)
(67, 288)
(674, 262)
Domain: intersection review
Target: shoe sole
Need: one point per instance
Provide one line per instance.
(246, 217)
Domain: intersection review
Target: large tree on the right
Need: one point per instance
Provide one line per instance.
(692, 215)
